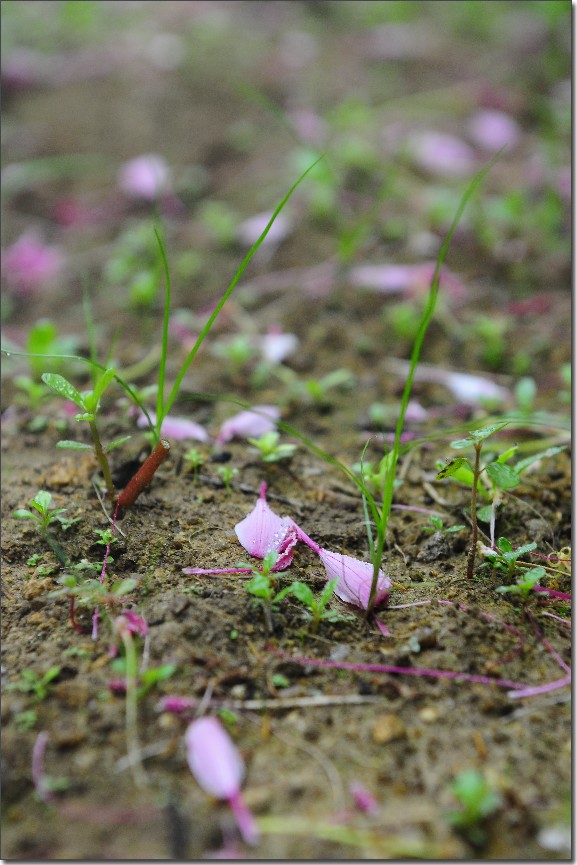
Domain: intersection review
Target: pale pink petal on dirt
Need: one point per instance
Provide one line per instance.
(29, 264)
(354, 576)
(145, 177)
(250, 423)
(177, 428)
(442, 154)
(354, 579)
(263, 530)
(276, 345)
(219, 769)
(413, 280)
(493, 130)
(251, 229)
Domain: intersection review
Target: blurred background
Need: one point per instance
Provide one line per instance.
(205, 113)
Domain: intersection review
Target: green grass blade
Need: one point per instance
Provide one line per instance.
(206, 329)
(160, 412)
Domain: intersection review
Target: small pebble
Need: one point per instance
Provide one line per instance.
(387, 728)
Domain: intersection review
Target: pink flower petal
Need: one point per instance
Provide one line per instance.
(213, 758)
(364, 799)
(354, 579)
(177, 428)
(145, 177)
(354, 576)
(251, 229)
(493, 130)
(136, 624)
(442, 154)
(28, 264)
(263, 530)
(276, 345)
(253, 422)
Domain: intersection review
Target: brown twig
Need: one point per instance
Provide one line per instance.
(144, 475)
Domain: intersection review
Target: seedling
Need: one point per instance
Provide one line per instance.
(44, 516)
(263, 586)
(89, 404)
(436, 524)
(317, 606)
(497, 471)
(501, 477)
(271, 451)
(478, 800)
(505, 558)
(195, 460)
(34, 683)
(226, 474)
(90, 593)
(525, 583)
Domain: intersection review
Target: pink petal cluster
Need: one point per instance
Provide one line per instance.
(219, 769)
(145, 177)
(28, 264)
(263, 530)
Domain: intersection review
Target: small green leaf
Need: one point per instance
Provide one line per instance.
(327, 593)
(303, 593)
(101, 385)
(73, 446)
(23, 514)
(503, 476)
(89, 416)
(521, 465)
(116, 443)
(453, 467)
(41, 501)
(478, 436)
(483, 514)
(62, 387)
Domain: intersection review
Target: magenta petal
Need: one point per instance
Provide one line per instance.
(263, 530)
(354, 579)
(213, 758)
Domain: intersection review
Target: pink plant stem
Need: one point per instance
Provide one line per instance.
(38, 767)
(302, 536)
(541, 689)
(103, 571)
(546, 643)
(144, 475)
(553, 593)
(566, 622)
(244, 819)
(401, 671)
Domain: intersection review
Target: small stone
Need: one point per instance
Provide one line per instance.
(73, 693)
(34, 588)
(428, 714)
(387, 728)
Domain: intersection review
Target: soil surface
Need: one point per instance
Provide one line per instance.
(308, 733)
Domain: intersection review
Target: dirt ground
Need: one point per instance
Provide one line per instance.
(404, 738)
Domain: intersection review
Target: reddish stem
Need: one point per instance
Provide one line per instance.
(73, 621)
(144, 475)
